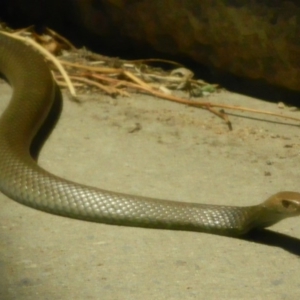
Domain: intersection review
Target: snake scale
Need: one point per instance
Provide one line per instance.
(22, 180)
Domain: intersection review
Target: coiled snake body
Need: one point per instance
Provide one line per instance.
(24, 181)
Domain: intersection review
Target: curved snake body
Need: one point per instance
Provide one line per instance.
(24, 181)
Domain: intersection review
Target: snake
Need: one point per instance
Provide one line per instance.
(24, 181)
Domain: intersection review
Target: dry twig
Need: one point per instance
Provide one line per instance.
(157, 83)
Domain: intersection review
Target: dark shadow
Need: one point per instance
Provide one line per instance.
(111, 43)
(48, 125)
(274, 239)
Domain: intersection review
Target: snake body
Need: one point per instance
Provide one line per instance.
(24, 181)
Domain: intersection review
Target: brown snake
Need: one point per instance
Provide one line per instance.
(24, 181)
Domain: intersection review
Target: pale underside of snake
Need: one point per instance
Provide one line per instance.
(22, 180)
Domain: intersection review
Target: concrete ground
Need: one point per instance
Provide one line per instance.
(147, 146)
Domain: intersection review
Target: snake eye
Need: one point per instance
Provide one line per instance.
(285, 203)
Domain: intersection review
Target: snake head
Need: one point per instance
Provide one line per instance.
(280, 206)
(286, 203)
